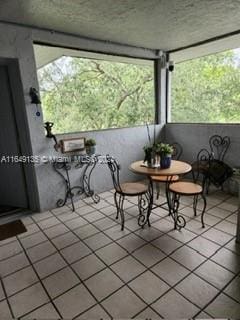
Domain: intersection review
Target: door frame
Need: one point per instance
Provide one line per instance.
(20, 115)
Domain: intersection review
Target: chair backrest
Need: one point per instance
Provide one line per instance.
(219, 146)
(213, 170)
(177, 150)
(114, 168)
(201, 165)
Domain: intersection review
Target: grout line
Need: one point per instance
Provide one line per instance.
(129, 253)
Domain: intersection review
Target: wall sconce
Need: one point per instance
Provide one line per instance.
(34, 95)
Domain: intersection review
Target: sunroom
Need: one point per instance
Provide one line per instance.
(126, 76)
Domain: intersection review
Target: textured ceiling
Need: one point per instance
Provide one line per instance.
(154, 24)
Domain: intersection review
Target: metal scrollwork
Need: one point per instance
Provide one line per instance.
(63, 168)
(179, 220)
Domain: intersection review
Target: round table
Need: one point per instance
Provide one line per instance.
(177, 168)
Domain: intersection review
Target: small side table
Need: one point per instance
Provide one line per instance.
(87, 163)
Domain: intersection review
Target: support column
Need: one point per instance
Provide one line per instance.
(160, 81)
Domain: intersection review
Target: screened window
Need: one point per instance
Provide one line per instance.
(207, 89)
(81, 94)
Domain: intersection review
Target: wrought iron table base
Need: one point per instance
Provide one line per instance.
(84, 188)
(172, 208)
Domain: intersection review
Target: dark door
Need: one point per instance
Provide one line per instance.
(12, 178)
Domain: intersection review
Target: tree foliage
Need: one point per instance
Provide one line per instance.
(85, 94)
(207, 89)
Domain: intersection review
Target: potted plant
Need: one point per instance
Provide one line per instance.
(90, 145)
(165, 151)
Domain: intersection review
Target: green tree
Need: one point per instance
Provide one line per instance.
(85, 94)
(207, 89)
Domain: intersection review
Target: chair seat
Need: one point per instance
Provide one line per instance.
(165, 178)
(185, 188)
(133, 188)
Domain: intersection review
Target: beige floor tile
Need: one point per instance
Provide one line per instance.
(131, 242)
(13, 264)
(100, 205)
(33, 240)
(227, 227)
(86, 231)
(233, 289)
(56, 231)
(224, 307)
(28, 299)
(149, 234)
(188, 257)
(49, 265)
(40, 251)
(111, 253)
(67, 216)
(60, 210)
(65, 240)
(131, 224)
(228, 206)
(31, 229)
(9, 250)
(97, 241)
(20, 280)
(217, 236)
(170, 271)
(60, 282)
(41, 216)
(47, 223)
(147, 313)
(2, 295)
(88, 266)
(214, 273)
(103, 284)
(204, 246)
(196, 226)
(128, 268)
(109, 210)
(116, 233)
(209, 219)
(45, 312)
(203, 315)
(183, 235)
(196, 290)
(95, 312)
(174, 306)
(5, 312)
(94, 216)
(75, 252)
(233, 246)
(149, 255)
(104, 223)
(27, 221)
(76, 223)
(163, 225)
(167, 244)
(227, 259)
(148, 286)
(219, 212)
(233, 218)
(85, 209)
(73, 302)
(123, 304)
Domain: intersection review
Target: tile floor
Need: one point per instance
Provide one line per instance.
(80, 264)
